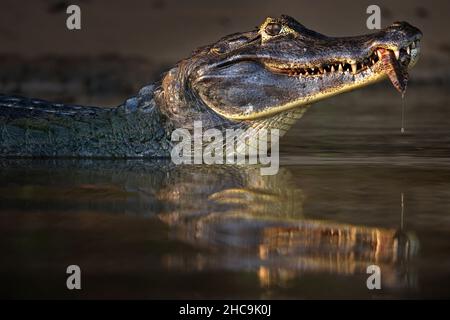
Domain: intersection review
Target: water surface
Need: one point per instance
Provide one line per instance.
(149, 229)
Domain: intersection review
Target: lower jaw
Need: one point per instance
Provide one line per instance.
(355, 81)
(327, 93)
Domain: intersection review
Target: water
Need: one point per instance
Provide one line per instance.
(352, 191)
(402, 129)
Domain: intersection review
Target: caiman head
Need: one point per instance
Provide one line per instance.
(269, 75)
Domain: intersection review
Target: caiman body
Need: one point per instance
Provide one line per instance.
(264, 78)
(31, 127)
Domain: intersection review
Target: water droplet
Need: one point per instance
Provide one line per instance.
(402, 130)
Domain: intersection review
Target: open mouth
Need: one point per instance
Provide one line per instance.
(394, 62)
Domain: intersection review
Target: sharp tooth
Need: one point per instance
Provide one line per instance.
(340, 67)
(354, 69)
(397, 53)
(372, 61)
(413, 45)
(408, 50)
(379, 54)
(321, 69)
(332, 68)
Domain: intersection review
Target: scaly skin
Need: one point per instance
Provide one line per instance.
(31, 127)
(265, 78)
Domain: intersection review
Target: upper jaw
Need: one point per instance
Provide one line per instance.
(316, 57)
(406, 53)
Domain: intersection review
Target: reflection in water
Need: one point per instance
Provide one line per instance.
(245, 221)
(262, 228)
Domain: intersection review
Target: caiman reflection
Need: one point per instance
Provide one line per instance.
(256, 222)
(237, 219)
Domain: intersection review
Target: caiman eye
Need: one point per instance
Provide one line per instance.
(272, 29)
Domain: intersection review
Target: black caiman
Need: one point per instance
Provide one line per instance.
(264, 78)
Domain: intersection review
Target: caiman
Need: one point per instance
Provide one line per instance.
(264, 78)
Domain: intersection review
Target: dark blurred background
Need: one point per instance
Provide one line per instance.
(125, 44)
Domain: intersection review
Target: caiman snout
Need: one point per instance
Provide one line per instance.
(405, 27)
(400, 35)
